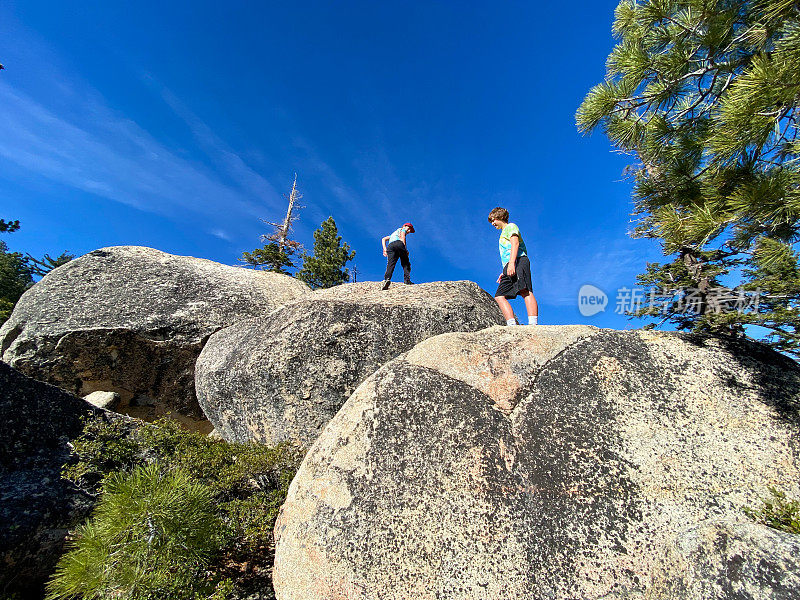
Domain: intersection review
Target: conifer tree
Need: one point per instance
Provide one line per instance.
(42, 266)
(270, 258)
(704, 94)
(15, 279)
(276, 254)
(773, 271)
(326, 268)
(17, 272)
(150, 537)
(8, 226)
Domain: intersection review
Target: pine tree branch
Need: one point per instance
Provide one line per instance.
(776, 328)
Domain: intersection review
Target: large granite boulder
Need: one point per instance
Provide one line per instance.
(37, 507)
(537, 462)
(133, 320)
(283, 376)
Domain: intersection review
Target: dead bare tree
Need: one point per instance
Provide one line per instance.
(280, 234)
(276, 254)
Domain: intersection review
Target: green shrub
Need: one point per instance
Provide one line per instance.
(778, 512)
(150, 536)
(102, 449)
(244, 483)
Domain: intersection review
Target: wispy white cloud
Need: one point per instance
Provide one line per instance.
(608, 269)
(221, 234)
(229, 162)
(342, 196)
(99, 151)
(381, 201)
(456, 236)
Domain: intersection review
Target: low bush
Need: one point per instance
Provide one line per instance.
(778, 512)
(179, 515)
(151, 535)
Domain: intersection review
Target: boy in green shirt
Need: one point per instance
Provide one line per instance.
(515, 280)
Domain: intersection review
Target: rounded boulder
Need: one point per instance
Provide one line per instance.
(133, 320)
(283, 376)
(536, 462)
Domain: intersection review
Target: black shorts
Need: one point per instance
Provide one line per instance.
(510, 287)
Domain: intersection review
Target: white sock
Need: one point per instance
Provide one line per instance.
(511, 322)
(533, 319)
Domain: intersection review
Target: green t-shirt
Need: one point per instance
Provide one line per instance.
(505, 243)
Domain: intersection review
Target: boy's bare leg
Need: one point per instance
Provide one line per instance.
(530, 303)
(505, 307)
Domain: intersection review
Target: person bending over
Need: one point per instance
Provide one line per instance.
(394, 247)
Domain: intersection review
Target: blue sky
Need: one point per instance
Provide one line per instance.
(179, 125)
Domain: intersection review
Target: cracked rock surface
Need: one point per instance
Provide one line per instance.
(285, 375)
(133, 320)
(553, 462)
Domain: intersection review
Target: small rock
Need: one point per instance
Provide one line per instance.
(106, 400)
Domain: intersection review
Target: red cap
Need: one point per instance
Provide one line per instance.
(410, 227)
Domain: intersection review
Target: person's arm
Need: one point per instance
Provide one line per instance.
(512, 262)
(383, 242)
(403, 236)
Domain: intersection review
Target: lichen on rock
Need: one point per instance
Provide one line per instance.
(37, 507)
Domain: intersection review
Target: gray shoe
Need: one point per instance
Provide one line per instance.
(386, 284)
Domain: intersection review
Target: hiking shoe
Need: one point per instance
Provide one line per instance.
(408, 282)
(386, 284)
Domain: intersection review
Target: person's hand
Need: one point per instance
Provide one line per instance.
(511, 270)
(499, 277)
(384, 253)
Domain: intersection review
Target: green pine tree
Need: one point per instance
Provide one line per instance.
(704, 95)
(270, 258)
(42, 266)
(15, 279)
(326, 268)
(276, 254)
(150, 537)
(8, 225)
(772, 270)
(179, 513)
(17, 271)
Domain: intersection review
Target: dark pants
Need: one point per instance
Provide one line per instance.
(395, 250)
